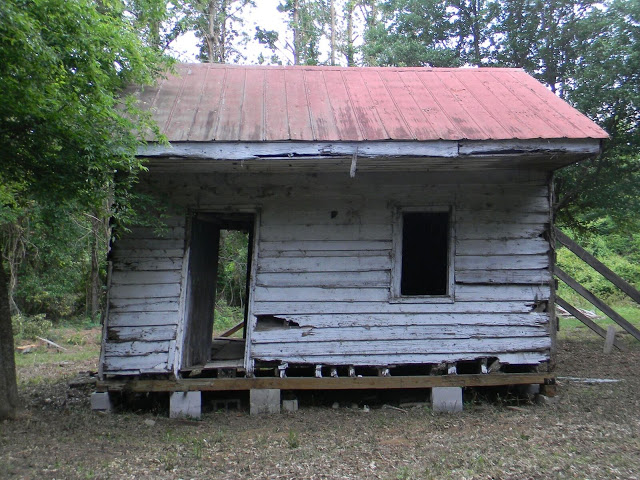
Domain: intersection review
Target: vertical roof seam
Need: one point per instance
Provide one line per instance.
(398, 109)
(442, 110)
(197, 110)
(314, 133)
(360, 127)
(214, 129)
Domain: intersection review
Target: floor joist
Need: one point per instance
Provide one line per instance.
(324, 383)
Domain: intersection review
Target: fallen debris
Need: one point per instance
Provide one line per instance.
(53, 344)
(590, 380)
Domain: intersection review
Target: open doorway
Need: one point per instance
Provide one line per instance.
(217, 290)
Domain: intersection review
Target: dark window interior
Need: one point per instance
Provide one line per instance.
(425, 253)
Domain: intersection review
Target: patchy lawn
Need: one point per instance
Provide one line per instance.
(591, 432)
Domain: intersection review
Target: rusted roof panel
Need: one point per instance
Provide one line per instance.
(238, 103)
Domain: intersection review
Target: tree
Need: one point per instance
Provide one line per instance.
(217, 23)
(64, 129)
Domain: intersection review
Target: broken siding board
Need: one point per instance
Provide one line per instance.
(141, 333)
(154, 362)
(374, 308)
(517, 358)
(393, 347)
(305, 335)
(144, 318)
(160, 290)
(135, 348)
(402, 319)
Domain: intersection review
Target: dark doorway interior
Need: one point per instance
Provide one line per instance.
(208, 265)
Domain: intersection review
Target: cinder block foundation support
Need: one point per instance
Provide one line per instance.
(446, 399)
(290, 405)
(101, 402)
(265, 400)
(185, 405)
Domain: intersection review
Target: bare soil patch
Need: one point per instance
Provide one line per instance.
(591, 432)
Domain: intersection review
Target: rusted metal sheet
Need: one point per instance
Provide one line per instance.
(257, 103)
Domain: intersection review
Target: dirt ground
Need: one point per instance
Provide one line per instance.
(592, 431)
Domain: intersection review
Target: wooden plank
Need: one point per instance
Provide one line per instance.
(391, 348)
(515, 358)
(323, 264)
(606, 309)
(373, 308)
(151, 233)
(326, 232)
(121, 255)
(151, 263)
(324, 383)
(501, 262)
(597, 265)
(142, 318)
(325, 279)
(328, 253)
(319, 294)
(427, 333)
(500, 293)
(529, 246)
(148, 244)
(160, 290)
(489, 231)
(325, 246)
(123, 305)
(135, 348)
(497, 217)
(401, 319)
(236, 328)
(141, 333)
(135, 278)
(502, 277)
(156, 362)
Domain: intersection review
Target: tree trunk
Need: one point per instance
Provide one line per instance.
(296, 33)
(96, 251)
(8, 384)
(333, 33)
(350, 50)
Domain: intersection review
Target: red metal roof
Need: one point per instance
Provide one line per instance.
(258, 103)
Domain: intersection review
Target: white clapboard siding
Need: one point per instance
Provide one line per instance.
(144, 318)
(135, 348)
(324, 264)
(131, 305)
(151, 263)
(325, 253)
(140, 333)
(365, 334)
(518, 358)
(319, 294)
(325, 279)
(159, 290)
(135, 278)
(154, 362)
(500, 293)
(501, 262)
(436, 320)
(123, 255)
(502, 215)
(372, 308)
(392, 347)
(324, 246)
(503, 277)
(530, 246)
(325, 232)
(152, 233)
(126, 244)
(499, 231)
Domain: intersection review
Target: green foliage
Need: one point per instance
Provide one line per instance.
(29, 327)
(232, 267)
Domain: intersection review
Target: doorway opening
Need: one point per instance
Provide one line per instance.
(218, 290)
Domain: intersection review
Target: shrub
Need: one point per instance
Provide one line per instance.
(29, 327)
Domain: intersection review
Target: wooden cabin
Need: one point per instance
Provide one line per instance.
(399, 223)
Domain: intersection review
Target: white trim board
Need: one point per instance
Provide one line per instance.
(437, 148)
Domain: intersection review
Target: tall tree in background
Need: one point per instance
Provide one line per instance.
(62, 67)
(307, 20)
(217, 23)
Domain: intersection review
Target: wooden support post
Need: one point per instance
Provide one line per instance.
(606, 309)
(611, 337)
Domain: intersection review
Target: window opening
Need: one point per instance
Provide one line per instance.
(425, 253)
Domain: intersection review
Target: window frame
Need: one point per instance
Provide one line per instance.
(396, 264)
